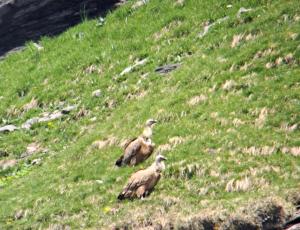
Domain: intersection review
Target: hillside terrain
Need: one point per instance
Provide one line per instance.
(25, 20)
(228, 118)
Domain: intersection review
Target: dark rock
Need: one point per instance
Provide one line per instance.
(167, 68)
(23, 20)
(3, 153)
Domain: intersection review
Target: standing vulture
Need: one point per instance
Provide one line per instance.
(142, 182)
(138, 149)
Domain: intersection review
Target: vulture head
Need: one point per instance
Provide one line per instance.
(160, 158)
(150, 122)
(159, 162)
(147, 133)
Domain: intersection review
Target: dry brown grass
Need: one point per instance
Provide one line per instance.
(197, 100)
(110, 141)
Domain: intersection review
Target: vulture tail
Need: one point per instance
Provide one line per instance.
(121, 196)
(119, 161)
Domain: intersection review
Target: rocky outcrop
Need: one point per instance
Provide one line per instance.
(23, 20)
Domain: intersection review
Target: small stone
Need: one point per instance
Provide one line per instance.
(19, 215)
(68, 109)
(37, 161)
(8, 128)
(30, 122)
(99, 181)
(241, 11)
(289, 58)
(132, 67)
(270, 65)
(93, 119)
(38, 46)
(97, 93)
(138, 4)
(179, 2)
(167, 68)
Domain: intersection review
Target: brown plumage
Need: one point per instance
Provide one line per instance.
(138, 149)
(142, 182)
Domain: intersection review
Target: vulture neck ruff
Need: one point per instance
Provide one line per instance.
(147, 133)
(158, 166)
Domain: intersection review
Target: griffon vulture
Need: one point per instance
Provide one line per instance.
(142, 182)
(138, 149)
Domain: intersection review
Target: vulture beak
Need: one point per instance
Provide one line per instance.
(151, 122)
(163, 158)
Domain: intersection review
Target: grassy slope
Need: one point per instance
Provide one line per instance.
(64, 189)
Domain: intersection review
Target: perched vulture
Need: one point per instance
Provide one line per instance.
(142, 182)
(138, 149)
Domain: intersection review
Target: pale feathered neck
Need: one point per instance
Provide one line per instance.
(147, 133)
(158, 166)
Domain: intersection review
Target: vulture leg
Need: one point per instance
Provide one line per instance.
(140, 192)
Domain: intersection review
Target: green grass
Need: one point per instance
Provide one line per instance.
(64, 189)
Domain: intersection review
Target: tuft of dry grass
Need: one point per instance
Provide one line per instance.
(197, 100)
(242, 185)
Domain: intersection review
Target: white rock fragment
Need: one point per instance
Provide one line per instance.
(37, 161)
(99, 181)
(96, 93)
(48, 117)
(208, 26)
(132, 67)
(241, 11)
(139, 3)
(38, 46)
(8, 128)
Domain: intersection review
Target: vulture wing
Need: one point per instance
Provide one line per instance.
(144, 178)
(131, 148)
(128, 142)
